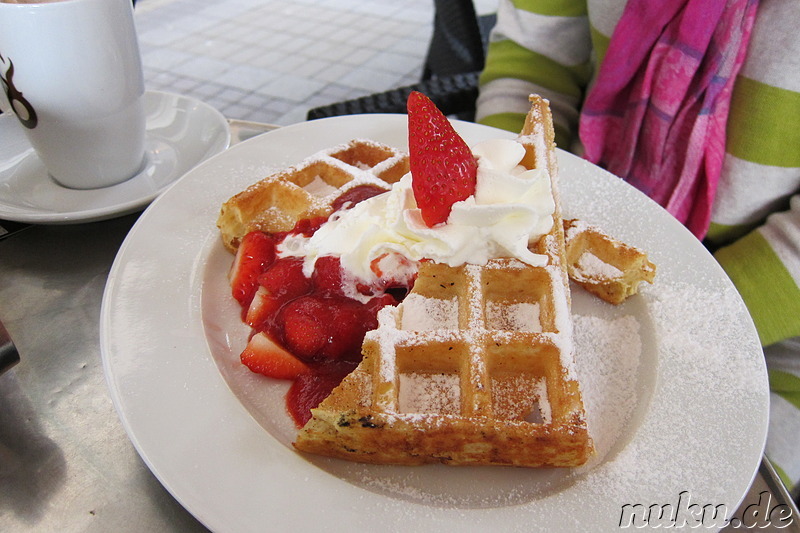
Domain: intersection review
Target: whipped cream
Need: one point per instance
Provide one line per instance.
(511, 207)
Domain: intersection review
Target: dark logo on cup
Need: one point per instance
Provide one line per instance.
(22, 108)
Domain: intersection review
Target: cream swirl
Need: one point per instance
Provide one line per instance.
(511, 207)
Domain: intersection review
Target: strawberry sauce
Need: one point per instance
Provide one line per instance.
(315, 332)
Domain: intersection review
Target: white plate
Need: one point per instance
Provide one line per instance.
(181, 132)
(675, 382)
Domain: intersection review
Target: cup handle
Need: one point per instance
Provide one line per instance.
(5, 105)
(8, 94)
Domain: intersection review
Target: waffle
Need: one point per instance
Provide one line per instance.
(604, 266)
(309, 189)
(474, 367)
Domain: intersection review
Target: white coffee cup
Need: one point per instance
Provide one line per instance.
(72, 73)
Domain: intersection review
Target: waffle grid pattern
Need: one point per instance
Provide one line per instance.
(490, 353)
(479, 350)
(308, 190)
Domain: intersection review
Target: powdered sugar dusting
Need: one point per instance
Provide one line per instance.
(419, 313)
(608, 354)
(576, 227)
(521, 397)
(513, 317)
(714, 361)
(592, 266)
(429, 393)
(321, 188)
(542, 402)
(563, 321)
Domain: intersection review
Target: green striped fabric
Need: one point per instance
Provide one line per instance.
(514, 61)
(515, 121)
(786, 385)
(505, 121)
(767, 288)
(600, 43)
(783, 475)
(763, 124)
(555, 8)
(721, 234)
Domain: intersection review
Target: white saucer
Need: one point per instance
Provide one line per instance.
(181, 132)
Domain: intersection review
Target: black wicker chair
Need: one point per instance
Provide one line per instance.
(458, 44)
(455, 57)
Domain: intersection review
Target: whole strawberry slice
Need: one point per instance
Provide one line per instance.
(282, 282)
(443, 169)
(255, 254)
(263, 356)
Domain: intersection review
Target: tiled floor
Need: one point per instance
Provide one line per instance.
(272, 60)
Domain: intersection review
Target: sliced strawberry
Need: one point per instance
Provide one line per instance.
(379, 302)
(355, 195)
(443, 169)
(327, 276)
(285, 278)
(328, 327)
(304, 226)
(306, 326)
(280, 283)
(255, 254)
(309, 226)
(263, 356)
(261, 313)
(350, 322)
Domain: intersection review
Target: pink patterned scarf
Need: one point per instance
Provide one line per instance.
(656, 115)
